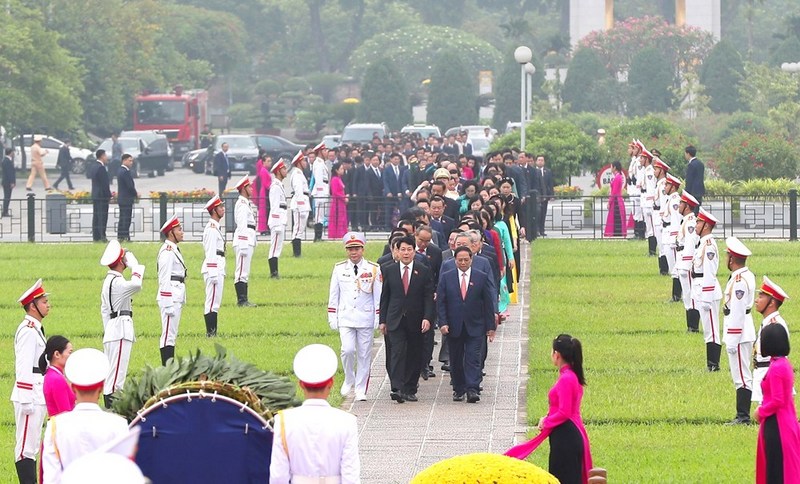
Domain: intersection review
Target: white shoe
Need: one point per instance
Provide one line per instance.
(360, 397)
(346, 388)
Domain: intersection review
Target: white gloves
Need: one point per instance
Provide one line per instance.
(334, 324)
(130, 259)
(26, 408)
(731, 349)
(169, 311)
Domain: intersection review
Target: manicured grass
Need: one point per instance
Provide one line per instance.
(653, 413)
(291, 313)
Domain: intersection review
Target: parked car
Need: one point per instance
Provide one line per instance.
(480, 145)
(512, 126)
(158, 151)
(276, 146)
(363, 132)
(242, 152)
(472, 130)
(424, 130)
(332, 141)
(195, 160)
(52, 145)
(135, 147)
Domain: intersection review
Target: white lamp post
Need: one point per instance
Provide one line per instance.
(522, 55)
(530, 70)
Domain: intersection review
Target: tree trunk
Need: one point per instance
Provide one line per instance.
(318, 36)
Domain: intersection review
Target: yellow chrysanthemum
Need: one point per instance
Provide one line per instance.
(483, 468)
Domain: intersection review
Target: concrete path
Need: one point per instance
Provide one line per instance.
(397, 441)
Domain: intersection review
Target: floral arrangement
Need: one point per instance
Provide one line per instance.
(483, 468)
(84, 197)
(567, 191)
(200, 194)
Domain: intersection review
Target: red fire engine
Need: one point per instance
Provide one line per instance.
(181, 115)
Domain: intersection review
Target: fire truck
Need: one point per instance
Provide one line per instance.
(181, 115)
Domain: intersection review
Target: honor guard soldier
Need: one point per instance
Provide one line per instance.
(670, 225)
(116, 309)
(27, 395)
(660, 170)
(213, 264)
(353, 308)
(648, 196)
(685, 244)
(277, 216)
(634, 192)
(769, 300)
(321, 191)
(300, 204)
(737, 323)
(244, 239)
(315, 443)
(171, 286)
(87, 428)
(706, 291)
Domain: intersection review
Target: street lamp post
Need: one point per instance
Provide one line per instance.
(522, 55)
(530, 70)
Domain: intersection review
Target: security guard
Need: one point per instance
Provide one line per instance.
(27, 395)
(171, 287)
(213, 269)
(321, 191)
(706, 291)
(353, 309)
(770, 299)
(277, 216)
(740, 334)
(87, 428)
(647, 187)
(660, 171)
(244, 239)
(116, 309)
(670, 225)
(685, 244)
(634, 192)
(300, 204)
(315, 443)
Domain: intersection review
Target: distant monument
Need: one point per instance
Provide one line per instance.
(586, 16)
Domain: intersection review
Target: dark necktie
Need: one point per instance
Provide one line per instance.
(355, 269)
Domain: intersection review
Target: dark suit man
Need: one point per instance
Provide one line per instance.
(101, 195)
(64, 162)
(439, 221)
(394, 181)
(433, 255)
(543, 182)
(695, 175)
(516, 173)
(125, 197)
(407, 310)
(466, 316)
(9, 179)
(222, 168)
(374, 184)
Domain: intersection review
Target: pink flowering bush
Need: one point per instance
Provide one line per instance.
(749, 156)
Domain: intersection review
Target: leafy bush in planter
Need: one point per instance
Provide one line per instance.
(746, 156)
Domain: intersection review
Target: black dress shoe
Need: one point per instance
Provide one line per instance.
(397, 397)
(473, 397)
(411, 397)
(431, 374)
(458, 397)
(424, 374)
(445, 367)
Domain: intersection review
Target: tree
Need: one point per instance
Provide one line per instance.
(507, 90)
(586, 87)
(788, 51)
(721, 74)
(384, 97)
(649, 81)
(453, 95)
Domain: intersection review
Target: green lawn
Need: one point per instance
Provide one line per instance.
(652, 412)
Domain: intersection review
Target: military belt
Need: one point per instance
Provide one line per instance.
(762, 364)
(221, 253)
(124, 312)
(697, 274)
(251, 226)
(38, 370)
(177, 278)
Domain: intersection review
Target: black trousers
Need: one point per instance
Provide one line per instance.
(124, 225)
(6, 199)
(566, 454)
(427, 349)
(542, 216)
(64, 176)
(404, 356)
(773, 451)
(99, 219)
(222, 184)
(354, 210)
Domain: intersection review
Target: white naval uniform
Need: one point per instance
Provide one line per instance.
(171, 291)
(687, 241)
(116, 309)
(647, 186)
(71, 435)
(354, 309)
(29, 344)
(277, 217)
(321, 191)
(706, 291)
(762, 362)
(670, 221)
(739, 333)
(658, 202)
(244, 238)
(300, 204)
(634, 192)
(315, 443)
(213, 269)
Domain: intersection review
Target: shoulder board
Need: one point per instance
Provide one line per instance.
(709, 242)
(168, 247)
(738, 277)
(30, 324)
(342, 262)
(372, 264)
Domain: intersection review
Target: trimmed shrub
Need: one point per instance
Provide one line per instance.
(587, 84)
(453, 98)
(746, 156)
(649, 81)
(721, 74)
(507, 90)
(384, 97)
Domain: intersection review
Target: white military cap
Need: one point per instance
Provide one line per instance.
(774, 290)
(170, 224)
(34, 292)
(706, 217)
(99, 468)
(112, 254)
(736, 248)
(86, 368)
(213, 203)
(314, 365)
(354, 239)
(298, 157)
(243, 182)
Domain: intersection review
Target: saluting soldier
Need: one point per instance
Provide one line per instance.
(686, 243)
(315, 442)
(647, 187)
(277, 216)
(770, 299)
(27, 395)
(354, 309)
(737, 321)
(213, 269)
(244, 239)
(116, 310)
(706, 291)
(300, 204)
(670, 225)
(171, 286)
(634, 192)
(321, 191)
(660, 170)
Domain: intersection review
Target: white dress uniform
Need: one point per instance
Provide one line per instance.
(634, 192)
(686, 242)
(321, 191)
(762, 362)
(300, 204)
(740, 333)
(670, 220)
(354, 309)
(27, 395)
(648, 196)
(706, 290)
(213, 269)
(244, 238)
(278, 217)
(658, 202)
(171, 291)
(116, 309)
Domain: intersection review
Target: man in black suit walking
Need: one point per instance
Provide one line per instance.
(374, 196)
(101, 196)
(65, 164)
(543, 182)
(9, 179)
(125, 197)
(695, 175)
(433, 254)
(222, 168)
(407, 310)
(394, 186)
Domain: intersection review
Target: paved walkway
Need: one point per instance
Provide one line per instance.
(397, 441)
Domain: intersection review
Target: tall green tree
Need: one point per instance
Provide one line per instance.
(384, 96)
(507, 90)
(649, 82)
(588, 83)
(721, 74)
(453, 98)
